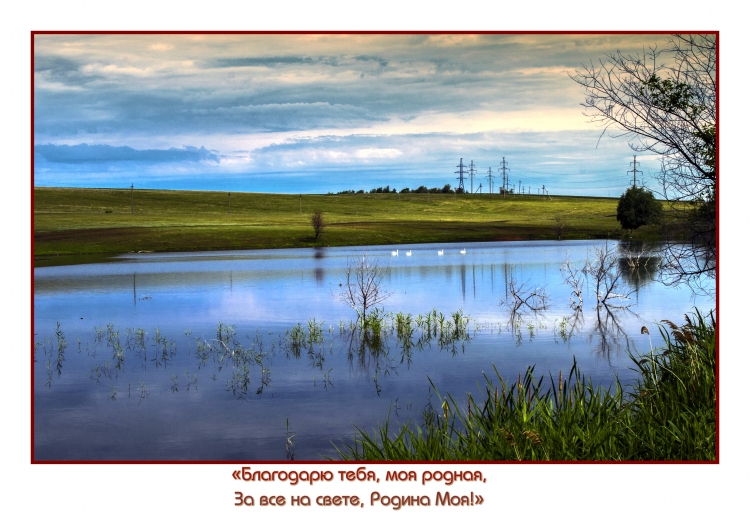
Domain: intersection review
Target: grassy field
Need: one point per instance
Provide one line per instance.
(75, 221)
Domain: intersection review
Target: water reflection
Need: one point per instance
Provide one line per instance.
(144, 346)
(376, 348)
(319, 271)
(608, 332)
(639, 263)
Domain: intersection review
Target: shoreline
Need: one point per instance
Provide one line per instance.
(100, 223)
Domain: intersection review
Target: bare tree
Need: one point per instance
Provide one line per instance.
(318, 223)
(573, 277)
(605, 272)
(521, 296)
(664, 102)
(362, 288)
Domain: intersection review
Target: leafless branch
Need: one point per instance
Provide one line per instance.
(606, 275)
(521, 296)
(574, 277)
(362, 288)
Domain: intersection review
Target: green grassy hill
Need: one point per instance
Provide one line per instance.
(75, 221)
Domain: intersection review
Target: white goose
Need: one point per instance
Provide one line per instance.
(408, 253)
(440, 252)
(394, 253)
(463, 251)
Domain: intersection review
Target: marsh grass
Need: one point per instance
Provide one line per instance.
(669, 414)
(61, 346)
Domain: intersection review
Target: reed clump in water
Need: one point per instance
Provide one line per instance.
(669, 414)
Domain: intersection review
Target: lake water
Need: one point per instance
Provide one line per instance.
(195, 356)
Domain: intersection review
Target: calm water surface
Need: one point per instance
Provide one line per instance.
(198, 355)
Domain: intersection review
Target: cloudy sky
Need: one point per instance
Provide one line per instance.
(320, 113)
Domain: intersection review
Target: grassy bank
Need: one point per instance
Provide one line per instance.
(70, 221)
(670, 414)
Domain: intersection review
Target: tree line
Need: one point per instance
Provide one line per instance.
(446, 189)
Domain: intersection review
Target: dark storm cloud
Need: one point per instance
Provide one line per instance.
(100, 153)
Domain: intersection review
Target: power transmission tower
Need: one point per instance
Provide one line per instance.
(460, 173)
(545, 192)
(471, 175)
(634, 171)
(505, 177)
(489, 177)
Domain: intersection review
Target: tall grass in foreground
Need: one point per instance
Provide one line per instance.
(669, 414)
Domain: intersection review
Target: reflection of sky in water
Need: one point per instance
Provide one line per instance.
(263, 293)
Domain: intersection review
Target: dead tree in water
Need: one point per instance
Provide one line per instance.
(362, 288)
(520, 296)
(574, 278)
(605, 272)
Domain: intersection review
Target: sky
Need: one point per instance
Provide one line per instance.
(317, 113)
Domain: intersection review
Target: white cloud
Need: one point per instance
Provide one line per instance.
(375, 153)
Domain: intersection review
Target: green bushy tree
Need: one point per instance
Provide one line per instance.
(638, 207)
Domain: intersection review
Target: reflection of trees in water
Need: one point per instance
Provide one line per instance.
(521, 296)
(319, 254)
(523, 301)
(368, 353)
(639, 263)
(382, 343)
(569, 325)
(319, 275)
(608, 333)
